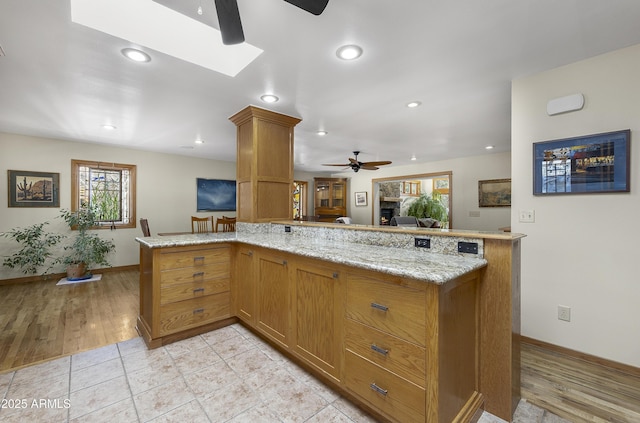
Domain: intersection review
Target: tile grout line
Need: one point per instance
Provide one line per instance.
(126, 378)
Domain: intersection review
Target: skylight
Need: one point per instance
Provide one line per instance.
(149, 24)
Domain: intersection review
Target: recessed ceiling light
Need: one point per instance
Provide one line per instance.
(136, 55)
(199, 141)
(108, 127)
(413, 158)
(413, 104)
(489, 147)
(322, 133)
(349, 52)
(269, 98)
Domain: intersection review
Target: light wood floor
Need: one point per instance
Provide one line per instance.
(577, 389)
(40, 321)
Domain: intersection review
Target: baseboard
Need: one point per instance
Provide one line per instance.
(57, 276)
(621, 367)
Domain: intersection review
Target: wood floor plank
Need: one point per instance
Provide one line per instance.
(579, 390)
(41, 321)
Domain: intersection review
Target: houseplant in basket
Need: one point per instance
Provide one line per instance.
(87, 249)
(429, 206)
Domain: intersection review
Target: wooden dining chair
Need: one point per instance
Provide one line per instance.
(228, 224)
(144, 225)
(201, 224)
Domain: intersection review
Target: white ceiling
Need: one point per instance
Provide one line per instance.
(59, 79)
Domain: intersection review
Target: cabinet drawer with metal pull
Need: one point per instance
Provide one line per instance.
(400, 357)
(394, 309)
(183, 315)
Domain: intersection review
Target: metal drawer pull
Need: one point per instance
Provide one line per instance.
(198, 290)
(379, 350)
(198, 274)
(378, 389)
(201, 258)
(198, 310)
(284, 262)
(250, 253)
(379, 306)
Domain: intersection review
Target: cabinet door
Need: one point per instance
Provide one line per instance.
(245, 285)
(317, 314)
(273, 297)
(337, 194)
(323, 190)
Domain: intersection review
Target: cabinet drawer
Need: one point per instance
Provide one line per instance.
(187, 291)
(195, 274)
(183, 315)
(394, 309)
(400, 357)
(387, 392)
(199, 257)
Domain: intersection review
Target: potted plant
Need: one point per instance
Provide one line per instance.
(87, 249)
(36, 248)
(429, 206)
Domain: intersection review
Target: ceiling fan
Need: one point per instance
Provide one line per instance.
(229, 17)
(355, 165)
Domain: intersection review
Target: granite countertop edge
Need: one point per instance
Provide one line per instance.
(412, 263)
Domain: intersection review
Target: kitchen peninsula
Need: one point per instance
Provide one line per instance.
(411, 334)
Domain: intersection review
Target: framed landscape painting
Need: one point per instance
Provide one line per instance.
(33, 189)
(216, 195)
(494, 193)
(582, 165)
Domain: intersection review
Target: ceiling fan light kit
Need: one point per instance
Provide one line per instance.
(356, 165)
(231, 25)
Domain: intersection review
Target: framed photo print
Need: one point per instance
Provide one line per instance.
(361, 198)
(582, 165)
(33, 189)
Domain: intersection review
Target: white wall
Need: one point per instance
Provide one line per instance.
(166, 189)
(467, 172)
(580, 252)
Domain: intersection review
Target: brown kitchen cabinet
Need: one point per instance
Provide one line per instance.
(330, 198)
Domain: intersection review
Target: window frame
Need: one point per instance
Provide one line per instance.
(75, 188)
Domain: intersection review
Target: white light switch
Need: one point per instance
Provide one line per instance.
(527, 216)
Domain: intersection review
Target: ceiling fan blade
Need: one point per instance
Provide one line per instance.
(348, 164)
(367, 166)
(382, 163)
(229, 21)
(312, 6)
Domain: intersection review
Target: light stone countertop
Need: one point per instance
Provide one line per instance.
(414, 263)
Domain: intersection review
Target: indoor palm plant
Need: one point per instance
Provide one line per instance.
(87, 249)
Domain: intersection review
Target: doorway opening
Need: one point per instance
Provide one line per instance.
(393, 196)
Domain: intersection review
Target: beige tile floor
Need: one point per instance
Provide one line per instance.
(228, 375)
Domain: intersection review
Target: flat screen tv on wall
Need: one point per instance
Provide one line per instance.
(216, 195)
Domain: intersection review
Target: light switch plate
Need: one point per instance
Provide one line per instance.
(527, 216)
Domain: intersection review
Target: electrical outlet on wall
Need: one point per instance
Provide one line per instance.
(564, 313)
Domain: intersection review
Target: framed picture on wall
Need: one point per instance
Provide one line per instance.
(216, 195)
(494, 193)
(361, 198)
(582, 165)
(33, 189)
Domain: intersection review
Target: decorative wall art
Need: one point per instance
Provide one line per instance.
(494, 193)
(33, 189)
(361, 198)
(216, 195)
(582, 165)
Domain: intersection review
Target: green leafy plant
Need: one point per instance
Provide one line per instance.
(36, 249)
(429, 206)
(87, 248)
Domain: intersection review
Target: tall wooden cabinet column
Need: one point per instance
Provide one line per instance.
(264, 173)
